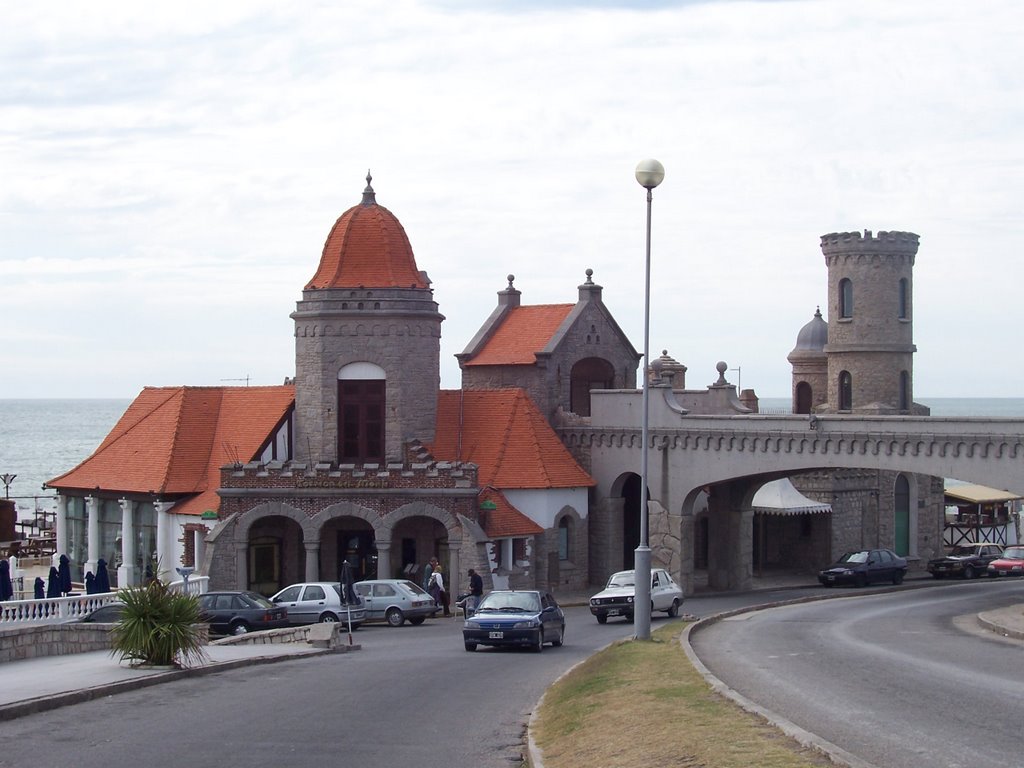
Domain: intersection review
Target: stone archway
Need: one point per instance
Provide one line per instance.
(415, 532)
(348, 532)
(272, 545)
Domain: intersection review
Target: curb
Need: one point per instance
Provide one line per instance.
(55, 701)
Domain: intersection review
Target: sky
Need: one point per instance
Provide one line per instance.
(169, 173)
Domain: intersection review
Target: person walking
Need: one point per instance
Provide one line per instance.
(437, 590)
(476, 591)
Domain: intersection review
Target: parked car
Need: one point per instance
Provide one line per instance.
(106, 614)
(616, 599)
(515, 617)
(318, 601)
(1010, 563)
(965, 560)
(865, 566)
(235, 613)
(395, 600)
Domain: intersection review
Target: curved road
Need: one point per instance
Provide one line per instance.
(411, 696)
(900, 680)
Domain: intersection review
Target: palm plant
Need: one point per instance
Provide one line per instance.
(159, 626)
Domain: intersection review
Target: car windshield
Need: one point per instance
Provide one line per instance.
(960, 551)
(854, 557)
(622, 579)
(510, 601)
(1014, 553)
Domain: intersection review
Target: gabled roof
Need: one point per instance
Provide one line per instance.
(174, 440)
(504, 521)
(523, 332)
(505, 435)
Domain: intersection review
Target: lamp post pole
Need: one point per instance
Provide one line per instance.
(649, 174)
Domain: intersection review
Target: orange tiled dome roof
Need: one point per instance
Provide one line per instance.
(368, 248)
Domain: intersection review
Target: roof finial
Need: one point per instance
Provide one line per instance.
(590, 274)
(369, 196)
(511, 279)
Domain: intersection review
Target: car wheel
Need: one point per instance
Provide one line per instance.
(241, 628)
(897, 578)
(538, 646)
(673, 610)
(561, 638)
(470, 646)
(860, 580)
(394, 617)
(417, 621)
(328, 618)
(969, 572)
(602, 618)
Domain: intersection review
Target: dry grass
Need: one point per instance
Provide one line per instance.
(643, 704)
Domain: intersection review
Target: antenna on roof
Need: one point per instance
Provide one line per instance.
(232, 453)
(246, 380)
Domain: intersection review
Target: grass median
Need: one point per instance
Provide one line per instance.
(643, 704)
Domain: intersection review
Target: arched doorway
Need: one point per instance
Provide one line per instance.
(587, 374)
(630, 519)
(804, 399)
(414, 540)
(275, 555)
(348, 538)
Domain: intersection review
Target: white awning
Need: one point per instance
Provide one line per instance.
(780, 497)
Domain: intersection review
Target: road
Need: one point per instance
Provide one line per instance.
(899, 680)
(411, 696)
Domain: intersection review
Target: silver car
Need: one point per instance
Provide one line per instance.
(395, 600)
(318, 601)
(616, 599)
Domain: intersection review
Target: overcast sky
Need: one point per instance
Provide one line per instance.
(170, 173)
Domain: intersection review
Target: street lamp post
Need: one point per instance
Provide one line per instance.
(649, 174)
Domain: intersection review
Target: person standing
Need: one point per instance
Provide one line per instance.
(476, 591)
(428, 570)
(437, 590)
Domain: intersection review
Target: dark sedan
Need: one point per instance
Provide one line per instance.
(865, 566)
(235, 613)
(965, 561)
(525, 618)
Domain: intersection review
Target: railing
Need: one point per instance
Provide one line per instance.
(54, 609)
(50, 609)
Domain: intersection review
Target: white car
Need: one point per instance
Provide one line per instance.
(318, 601)
(395, 601)
(616, 599)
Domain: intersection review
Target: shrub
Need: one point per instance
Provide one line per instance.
(159, 626)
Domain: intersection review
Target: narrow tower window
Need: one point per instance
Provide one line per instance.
(845, 391)
(846, 297)
(903, 299)
(904, 391)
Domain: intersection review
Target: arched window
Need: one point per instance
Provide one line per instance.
(564, 534)
(903, 299)
(804, 398)
(901, 512)
(904, 391)
(845, 391)
(361, 402)
(845, 297)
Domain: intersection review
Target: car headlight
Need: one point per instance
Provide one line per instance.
(528, 624)
(594, 602)
(629, 599)
(471, 624)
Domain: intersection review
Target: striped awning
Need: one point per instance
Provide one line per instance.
(780, 497)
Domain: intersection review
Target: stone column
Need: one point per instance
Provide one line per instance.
(730, 538)
(62, 524)
(199, 547)
(127, 575)
(313, 560)
(383, 559)
(165, 549)
(241, 564)
(92, 511)
(686, 543)
(456, 577)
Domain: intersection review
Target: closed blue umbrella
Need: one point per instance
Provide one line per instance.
(64, 571)
(90, 584)
(40, 588)
(53, 583)
(6, 588)
(102, 577)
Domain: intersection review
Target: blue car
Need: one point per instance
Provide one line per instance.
(525, 618)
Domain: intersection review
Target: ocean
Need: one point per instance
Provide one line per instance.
(41, 439)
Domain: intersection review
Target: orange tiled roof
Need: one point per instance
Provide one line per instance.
(523, 332)
(504, 433)
(367, 247)
(505, 520)
(173, 441)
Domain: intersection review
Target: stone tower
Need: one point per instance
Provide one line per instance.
(367, 344)
(810, 366)
(870, 331)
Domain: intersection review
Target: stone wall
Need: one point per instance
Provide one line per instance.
(41, 640)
